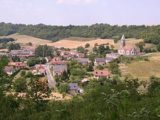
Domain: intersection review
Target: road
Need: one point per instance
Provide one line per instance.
(51, 80)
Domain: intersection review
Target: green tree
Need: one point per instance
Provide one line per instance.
(20, 85)
(114, 67)
(44, 51)
(81, 49)
(158, 47)
(33, 61)
(63, 88)
(87, 45)
(14, 46)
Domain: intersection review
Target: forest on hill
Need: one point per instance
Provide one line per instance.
(150, 34)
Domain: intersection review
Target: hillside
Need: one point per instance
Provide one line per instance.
(73, 43)
(104, 31)
(144, 69)
(23, 39)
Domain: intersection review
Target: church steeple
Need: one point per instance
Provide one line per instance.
(123, 41)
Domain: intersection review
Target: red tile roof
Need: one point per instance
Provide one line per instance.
(17, 64)
(101, 73)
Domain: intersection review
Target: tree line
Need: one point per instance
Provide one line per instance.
(6, 40)
(150, 34)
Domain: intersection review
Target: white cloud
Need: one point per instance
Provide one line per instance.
(75, 1)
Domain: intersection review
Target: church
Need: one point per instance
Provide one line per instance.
(127, 50)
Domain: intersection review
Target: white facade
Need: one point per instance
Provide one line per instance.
(128, 51)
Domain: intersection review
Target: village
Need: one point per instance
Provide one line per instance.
(68, 70)
(79, 60)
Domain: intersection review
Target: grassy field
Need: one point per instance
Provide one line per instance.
(144, 69)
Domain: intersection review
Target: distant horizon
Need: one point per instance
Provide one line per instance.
(80, 12)
(81, 24)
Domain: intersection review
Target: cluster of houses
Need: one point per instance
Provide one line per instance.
(59, 64)
(12, 67)
(24, 52)
(39, 69)
(70, 54)
(4, 52)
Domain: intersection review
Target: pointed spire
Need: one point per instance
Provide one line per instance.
(123, 42)
(123, 38)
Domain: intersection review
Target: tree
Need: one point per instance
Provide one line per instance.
(33, 61)
(63, 88)
(64, 76)
(102, 50)
(16, 59)
(114, 67)
(90, 67)
(3, 62)
(158, 47)
(23, 73)
(87, 45)
(14, 46)
(140, 45)
(20, 85)
(6, 40)
(81, 49)
(37, 90)
(43, 51)
(30, 44)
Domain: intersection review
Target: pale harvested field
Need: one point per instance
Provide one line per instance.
(71, 43)
(66, 43)
(24, 39)
(129, 42)
(74, 44)
(145, 69)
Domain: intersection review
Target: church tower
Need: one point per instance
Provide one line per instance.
(123, 41)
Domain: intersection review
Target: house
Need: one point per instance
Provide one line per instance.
(58, 65)
(75, 89)
(101, 74)
(99, 61)
(4, 52)
(9, 70)
(83, 61)
(71, 54)
(112, 55)
(109, 59)
(59, 69)
(25, 52)
(76, 54)
(85, 80)
(13, 67)
(39, 69)
(63, 52)
(17, 65)
(127, 50)
(57, 61)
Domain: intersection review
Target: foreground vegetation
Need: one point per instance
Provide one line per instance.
(105, 99)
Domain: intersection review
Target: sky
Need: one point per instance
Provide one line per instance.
(80, 12)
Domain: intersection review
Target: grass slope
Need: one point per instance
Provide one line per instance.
(23, 39)
(144, 69)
